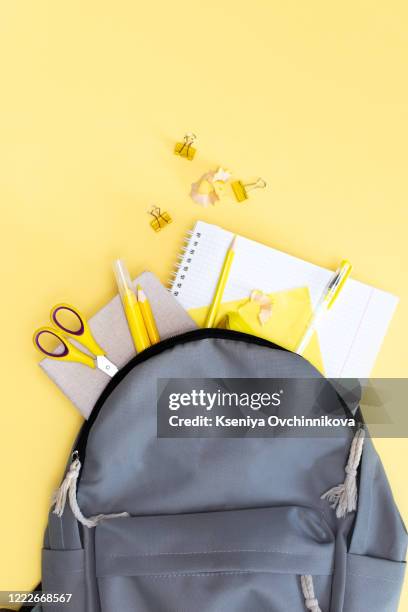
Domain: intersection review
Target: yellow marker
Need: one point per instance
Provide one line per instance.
(148, 317)
(329, 296)
(222, 281)
(131, 307)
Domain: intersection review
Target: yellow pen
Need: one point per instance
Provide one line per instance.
(327, 300)
(148, 317)
(131, 307)
(222, 281)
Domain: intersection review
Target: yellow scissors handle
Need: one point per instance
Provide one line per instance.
(68, 351)
(80, 331)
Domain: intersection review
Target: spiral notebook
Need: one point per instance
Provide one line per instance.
(349, 337)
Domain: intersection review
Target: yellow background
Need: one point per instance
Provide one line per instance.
(312, 96)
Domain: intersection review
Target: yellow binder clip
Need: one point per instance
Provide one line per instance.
(241, 189)
(185, 149)
(160, 219)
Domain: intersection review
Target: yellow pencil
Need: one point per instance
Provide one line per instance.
(222, 281)
(131, 307)
(148, 317)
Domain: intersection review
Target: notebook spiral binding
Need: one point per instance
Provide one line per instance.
(191, 241)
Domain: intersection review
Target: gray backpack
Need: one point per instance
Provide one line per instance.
(147, 524)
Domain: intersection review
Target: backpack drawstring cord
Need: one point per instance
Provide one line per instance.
(68, 490)
(343, 497)
(311, 602)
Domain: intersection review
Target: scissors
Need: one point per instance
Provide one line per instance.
(81, 332)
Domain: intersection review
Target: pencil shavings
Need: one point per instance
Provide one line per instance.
(209, 189)
(265, 305)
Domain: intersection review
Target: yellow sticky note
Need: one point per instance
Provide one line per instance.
(199, 314)
(291, 311)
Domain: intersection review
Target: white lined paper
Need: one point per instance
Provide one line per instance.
(350, 335)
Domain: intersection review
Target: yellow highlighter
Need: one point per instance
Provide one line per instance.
(131, 307)
(329, 296)
(148, 317)
(222, 281)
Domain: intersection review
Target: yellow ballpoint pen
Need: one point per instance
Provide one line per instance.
(222, 281)
(131, 307)
(326, 301)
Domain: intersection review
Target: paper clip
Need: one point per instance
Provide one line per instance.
(160, 219)
(241, 189)
(185, 149)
